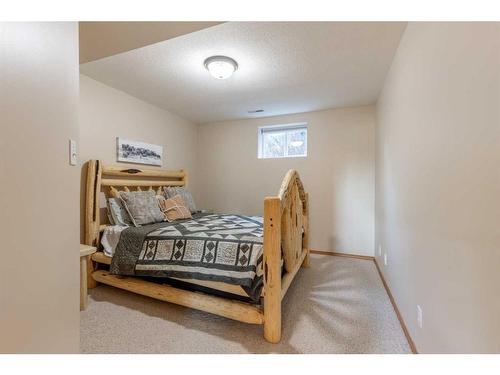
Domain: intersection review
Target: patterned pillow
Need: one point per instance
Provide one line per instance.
(172, 191)
(117, 213)
(174, 208)
(142, 206)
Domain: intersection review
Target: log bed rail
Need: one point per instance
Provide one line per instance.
(286, 233)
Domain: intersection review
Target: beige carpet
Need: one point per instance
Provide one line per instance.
(339, 305)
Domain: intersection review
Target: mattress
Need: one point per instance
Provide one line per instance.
(110, 238)
(209, 247)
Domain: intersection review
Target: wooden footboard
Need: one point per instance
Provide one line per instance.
(286, 231)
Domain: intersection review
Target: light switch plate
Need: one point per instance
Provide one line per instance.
(73, 157)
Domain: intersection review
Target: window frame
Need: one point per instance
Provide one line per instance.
(276, 128)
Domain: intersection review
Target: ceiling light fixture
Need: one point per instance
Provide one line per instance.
(221, 67)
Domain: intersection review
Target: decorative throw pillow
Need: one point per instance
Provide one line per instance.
(174, 208)
(172, 191)
(117, 213)
(142, 206)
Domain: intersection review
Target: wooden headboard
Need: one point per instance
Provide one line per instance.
(110, 180)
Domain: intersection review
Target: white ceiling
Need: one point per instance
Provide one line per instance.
(284, 67)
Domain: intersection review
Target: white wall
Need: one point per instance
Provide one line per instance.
(438, 184)
(39, 270)
(106, 113)
(338, 173)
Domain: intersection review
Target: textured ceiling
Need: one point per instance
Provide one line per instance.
(284, 67)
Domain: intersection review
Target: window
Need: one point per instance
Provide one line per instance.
(282, 141)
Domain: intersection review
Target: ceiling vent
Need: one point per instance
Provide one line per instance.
(256, 111)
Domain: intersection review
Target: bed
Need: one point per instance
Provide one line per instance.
(235, 266)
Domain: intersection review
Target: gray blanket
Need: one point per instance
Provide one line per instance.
(226, 248)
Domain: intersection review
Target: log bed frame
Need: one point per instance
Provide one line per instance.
(286, 231)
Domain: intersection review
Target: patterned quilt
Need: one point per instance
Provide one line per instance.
(226, 248)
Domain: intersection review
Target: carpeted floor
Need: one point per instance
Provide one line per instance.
(338, 305)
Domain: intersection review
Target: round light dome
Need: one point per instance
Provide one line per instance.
(221, 67)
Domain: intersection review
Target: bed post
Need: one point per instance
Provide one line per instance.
(92, 220)
(272, 269)
(305, 237)
(184, 177)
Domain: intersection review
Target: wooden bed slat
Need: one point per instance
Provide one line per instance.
(102, 258)
(241, 311)
(127, 183)
(119, 171)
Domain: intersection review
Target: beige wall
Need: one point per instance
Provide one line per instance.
(39, 270)
(102, 39)
(438, 184)
(106, 113)
(338, 173)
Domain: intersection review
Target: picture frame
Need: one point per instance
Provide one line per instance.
(128, 151)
